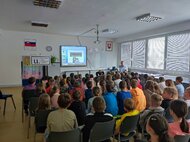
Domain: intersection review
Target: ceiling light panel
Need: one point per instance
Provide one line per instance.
(48, 3)
(147, 18)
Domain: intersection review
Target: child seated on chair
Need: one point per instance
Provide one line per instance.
(129, 107)
(169, 94)
(78, 107)
(156, 101)
(99, 116)
(122, 95)
(180, 126)
(96, 92)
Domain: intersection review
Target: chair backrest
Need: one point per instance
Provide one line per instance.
(102, 131)
(68, 136)
(41, 120)
(182, 138)
(33, 104)
(129, 124)
(27, 94)
(151, 112)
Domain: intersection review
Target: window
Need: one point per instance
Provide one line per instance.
(155, 53)
(138, 54)
(178, 52)
(126, 53)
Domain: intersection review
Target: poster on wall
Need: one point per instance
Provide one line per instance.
(29, 70)
(26, 60)
(30, 44)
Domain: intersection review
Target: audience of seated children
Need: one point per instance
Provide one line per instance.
(44, 102)
(31, 86)
(108, 77)
(44, 82)
(117, 81)
(44, 105)
(78, 107)
(157, 127)
(40, 89)
(162, 84)
(122, 95)
(99, 116)
(51, 84)
(148, 91)
(92, 79)
(157, 89)
(138, 96)
(103, 86)
(54, 94)
(110, 99)
(180, 88)
(129, 107)
(155, 102)
(77, 87)
(62, 119)
(96, 92)
(136, 76)
(169, 83)
(169, 94)
(57, 80)
(187, 96)
(178, 110)
(88, 92)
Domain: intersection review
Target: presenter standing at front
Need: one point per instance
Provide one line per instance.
(122, 67)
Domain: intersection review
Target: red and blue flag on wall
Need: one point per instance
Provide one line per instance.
(30, 44)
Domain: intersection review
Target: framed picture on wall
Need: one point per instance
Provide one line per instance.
(109, 45)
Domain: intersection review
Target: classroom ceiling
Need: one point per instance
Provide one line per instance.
(75, 17)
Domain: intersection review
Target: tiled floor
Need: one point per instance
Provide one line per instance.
(11, 127)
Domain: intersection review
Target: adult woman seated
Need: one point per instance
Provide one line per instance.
(62, 119)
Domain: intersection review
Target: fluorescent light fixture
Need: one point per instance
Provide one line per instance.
(147, 18)
(109, 31)
(48, 3)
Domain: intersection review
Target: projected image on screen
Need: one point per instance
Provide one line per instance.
(73, 55)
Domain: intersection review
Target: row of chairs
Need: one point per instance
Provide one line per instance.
(101, 130)
(98, 133)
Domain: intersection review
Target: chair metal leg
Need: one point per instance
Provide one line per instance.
(119, 140)
(35, 136)
(13, 102)
(4, 106)
(22, 112)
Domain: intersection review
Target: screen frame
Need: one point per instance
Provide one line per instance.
(61, 46)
